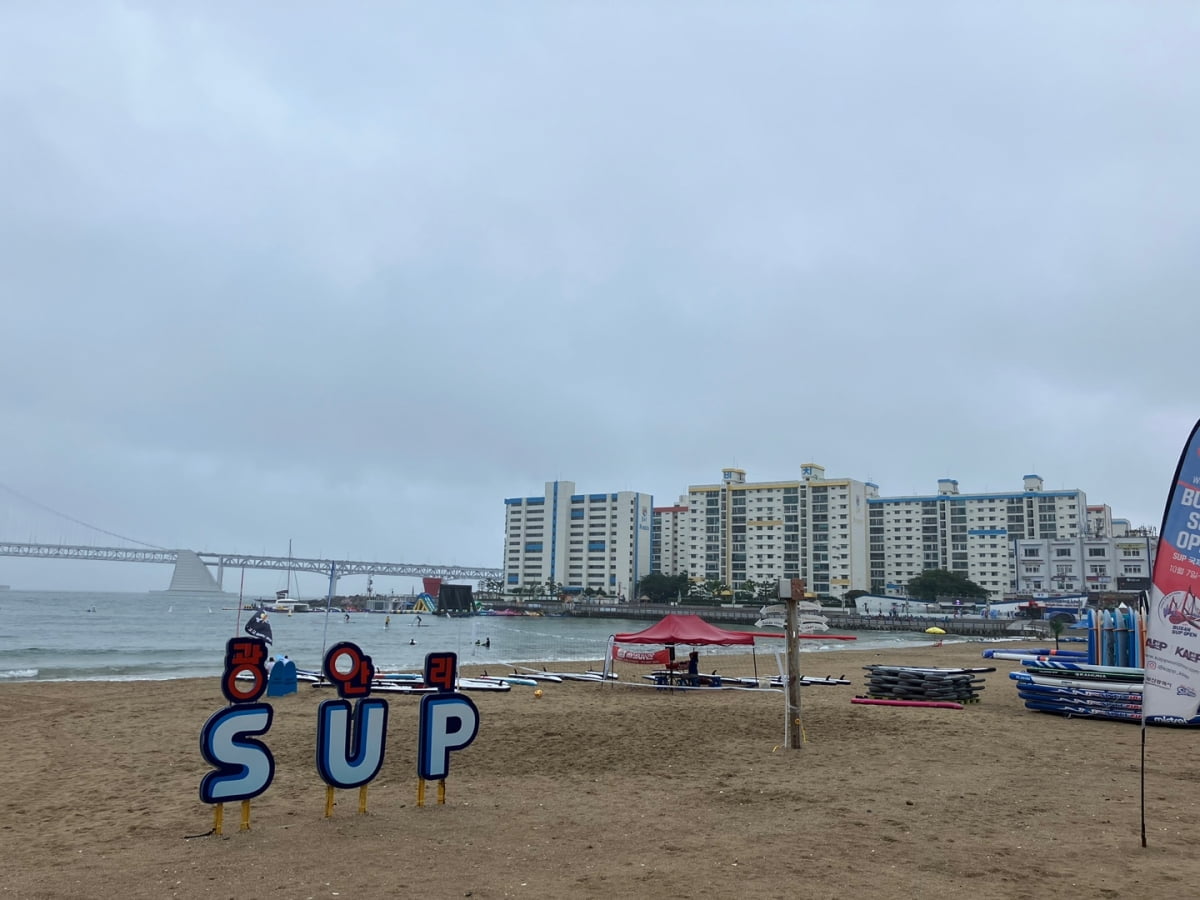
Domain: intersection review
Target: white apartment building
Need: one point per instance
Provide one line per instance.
(577, 541)
(969, 534)
(812, 528)
(669, 538)
(1100, 521)
(1108, 563)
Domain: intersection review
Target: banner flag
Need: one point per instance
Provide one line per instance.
(1171, 694)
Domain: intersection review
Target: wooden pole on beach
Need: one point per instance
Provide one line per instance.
(793, 738)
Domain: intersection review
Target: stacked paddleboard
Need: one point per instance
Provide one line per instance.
(1020, 654)
(1077, 689)
(918, 686)
(1115, 637)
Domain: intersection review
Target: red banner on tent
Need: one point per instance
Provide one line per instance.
(642, 657)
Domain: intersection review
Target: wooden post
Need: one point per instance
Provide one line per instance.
(793, 736)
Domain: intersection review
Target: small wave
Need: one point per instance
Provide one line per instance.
(18, 673)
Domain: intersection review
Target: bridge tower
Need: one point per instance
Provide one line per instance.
(191, 575)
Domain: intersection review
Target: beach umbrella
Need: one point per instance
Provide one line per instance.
(935, 630)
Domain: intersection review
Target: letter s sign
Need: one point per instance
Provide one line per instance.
(244, 766)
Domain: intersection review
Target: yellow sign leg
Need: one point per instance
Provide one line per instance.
(245, 826)
(218, 818)
(328, 801)
(420, 792)
(362, 799)
(442, 792)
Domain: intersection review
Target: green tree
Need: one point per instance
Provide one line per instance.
(1057, 626)
(769, 590)
(934, 583)
(714, 591)
(851, 596)
(660, 588)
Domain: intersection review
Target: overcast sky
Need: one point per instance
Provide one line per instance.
(351, 274)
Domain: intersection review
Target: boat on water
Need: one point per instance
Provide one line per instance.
(809, 619)
(283, 602)
(287, 607)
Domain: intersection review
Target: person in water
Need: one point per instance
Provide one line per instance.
(387, 622)
(413, 642)
(347, 617)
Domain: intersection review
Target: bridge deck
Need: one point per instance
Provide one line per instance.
(222, 561)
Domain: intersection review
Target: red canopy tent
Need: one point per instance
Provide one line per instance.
(681, 629)
(675, 629)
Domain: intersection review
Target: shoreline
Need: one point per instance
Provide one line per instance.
(765, 656)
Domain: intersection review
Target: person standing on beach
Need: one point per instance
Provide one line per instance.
(693, 668)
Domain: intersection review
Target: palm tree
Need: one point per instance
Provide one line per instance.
(1057, 625)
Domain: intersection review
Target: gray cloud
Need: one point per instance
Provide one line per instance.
(351, 277)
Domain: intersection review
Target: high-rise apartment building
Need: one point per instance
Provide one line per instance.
(577, 541)
(838, 534)
(669, 538)
(812, 528)
(969, 534)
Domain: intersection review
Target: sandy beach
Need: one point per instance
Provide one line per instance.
(607, 791)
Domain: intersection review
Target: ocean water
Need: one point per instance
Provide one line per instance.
(70, 636)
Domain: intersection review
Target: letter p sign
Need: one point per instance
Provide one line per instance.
(448, 722)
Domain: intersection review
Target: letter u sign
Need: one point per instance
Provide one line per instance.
(350, 744)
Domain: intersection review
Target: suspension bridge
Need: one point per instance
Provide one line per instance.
(194, 570)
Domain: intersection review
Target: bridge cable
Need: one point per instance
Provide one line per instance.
(48, 509)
